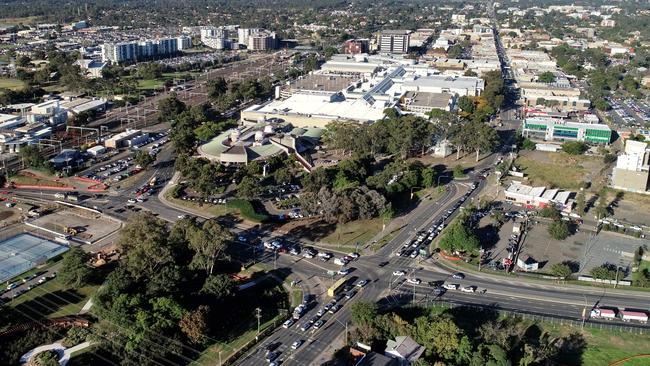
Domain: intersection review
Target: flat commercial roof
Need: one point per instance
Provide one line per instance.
(323, 82)
(312, 105)
(446, 81)
(424, 99)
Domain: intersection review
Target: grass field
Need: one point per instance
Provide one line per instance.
(15, 21)
(11, 83)
(35, 181)
(558, 170)
(352, 232)
(605, 347)
(52, 299)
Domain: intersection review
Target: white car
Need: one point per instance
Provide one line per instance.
(468, 289)
(296, 344)
(131, 200)
(343, 271)
(399, 273)
(287, 324)
(415, 281)
(450, 286)
(362, 283)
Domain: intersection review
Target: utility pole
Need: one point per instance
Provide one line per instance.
(258, 315)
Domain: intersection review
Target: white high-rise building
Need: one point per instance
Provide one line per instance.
(394, 41)
(244, 33)
(184, 42)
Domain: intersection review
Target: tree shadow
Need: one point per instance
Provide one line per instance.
(571, 349)
(488, 235)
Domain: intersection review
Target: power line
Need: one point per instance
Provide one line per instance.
(178, 342)
(95, 333)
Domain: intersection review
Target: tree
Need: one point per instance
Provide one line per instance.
(546, 77)
(458, 171)
(364, 315)
(602, 209)
(606, 272)
(74, 268)
(143, 158)
(217, 87)
(550, 211)
(482, 138)
(459, 237)
(561, 270)
(208, 244)
(559, 230)
(282, 176)
(527, 144)
(466, 104)
(219, 286)
(194, 324)
(31, 156)
(574, 147)
(642, 278)
(23, 61)
(170, 107)
(439, 335)
(248, 188)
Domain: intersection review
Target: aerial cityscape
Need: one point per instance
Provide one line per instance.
(340, 183)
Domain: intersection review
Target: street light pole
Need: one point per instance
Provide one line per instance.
(258, 315)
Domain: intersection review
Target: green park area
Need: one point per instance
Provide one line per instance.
(11, 84)
(52, 299)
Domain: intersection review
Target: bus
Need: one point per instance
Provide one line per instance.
(336, 287)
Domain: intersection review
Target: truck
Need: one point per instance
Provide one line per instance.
(598, 313)
(299, 311)
(152, 181)
(636, 316)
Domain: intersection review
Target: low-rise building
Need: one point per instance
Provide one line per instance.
(404, 349)
(551, 129)
(632, 171)
(421, 103)
(121, 139)
(92, 69)
(537, 197)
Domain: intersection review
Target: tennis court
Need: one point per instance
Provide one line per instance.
(23, 252)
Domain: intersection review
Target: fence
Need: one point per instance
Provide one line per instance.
(555, 320)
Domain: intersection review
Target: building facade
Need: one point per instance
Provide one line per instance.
(632, 171)
(551, 129)
(355, 46)
(132, 51)
(394, 41)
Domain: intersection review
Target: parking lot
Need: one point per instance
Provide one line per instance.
(118, 169)
(629, 112)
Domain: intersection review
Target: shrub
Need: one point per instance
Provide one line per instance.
(574, 147)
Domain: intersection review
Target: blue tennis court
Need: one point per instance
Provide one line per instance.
(24, 252)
